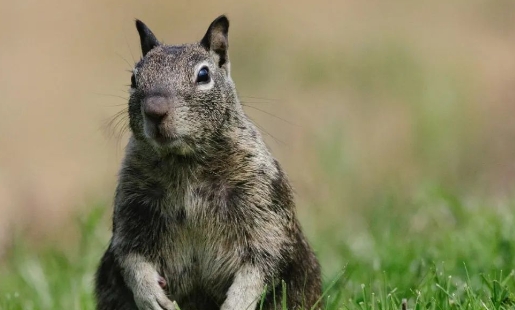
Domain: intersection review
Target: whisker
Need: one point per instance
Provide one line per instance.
(117, 126)
(111, 95)
(257, 102)
(268, 113)
(267, 133)
(128, 46)
(126, 61)
(260, 98)
(117, 121)
(261, 128)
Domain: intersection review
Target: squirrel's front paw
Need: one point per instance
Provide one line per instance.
(154, 299)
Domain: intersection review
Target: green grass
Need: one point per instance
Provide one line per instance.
(435, 251)
(438, 253)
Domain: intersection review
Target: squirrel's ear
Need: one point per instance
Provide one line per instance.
(216, 39)
(147, 38)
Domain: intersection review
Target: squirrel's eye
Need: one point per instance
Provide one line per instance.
(133, 81)
(203, 76)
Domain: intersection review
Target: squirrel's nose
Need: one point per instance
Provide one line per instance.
(155, 109)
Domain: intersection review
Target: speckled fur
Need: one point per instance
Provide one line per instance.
(212, 211)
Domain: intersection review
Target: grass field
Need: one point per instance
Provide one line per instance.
(454, 255)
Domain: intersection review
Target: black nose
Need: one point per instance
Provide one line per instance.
(155, 109)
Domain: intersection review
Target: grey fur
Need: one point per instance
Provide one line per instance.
(200, 201)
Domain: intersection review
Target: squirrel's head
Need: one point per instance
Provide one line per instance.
(182, 95)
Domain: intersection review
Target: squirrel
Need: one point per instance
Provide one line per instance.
(204, 216)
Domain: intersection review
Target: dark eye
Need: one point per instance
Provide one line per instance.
(203, 76)
(133, 81)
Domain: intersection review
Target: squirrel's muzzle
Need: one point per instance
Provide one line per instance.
(158, 117)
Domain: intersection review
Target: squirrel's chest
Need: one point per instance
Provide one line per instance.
(202, 244)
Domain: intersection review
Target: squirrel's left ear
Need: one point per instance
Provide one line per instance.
(216, 39)
(147, 38)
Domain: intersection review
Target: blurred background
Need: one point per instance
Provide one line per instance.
(369, 105)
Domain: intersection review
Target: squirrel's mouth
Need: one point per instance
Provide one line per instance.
(164, 139)
(172, 144)
(162, 134)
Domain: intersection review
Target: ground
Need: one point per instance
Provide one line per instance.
(435, 251)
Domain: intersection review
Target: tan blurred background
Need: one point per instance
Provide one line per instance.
(355, 97)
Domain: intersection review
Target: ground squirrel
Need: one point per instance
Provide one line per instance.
(204, 215)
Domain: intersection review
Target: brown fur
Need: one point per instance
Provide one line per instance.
(200, 200)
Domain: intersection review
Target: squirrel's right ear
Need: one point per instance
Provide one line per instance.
(216, 39)
(147, 38)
